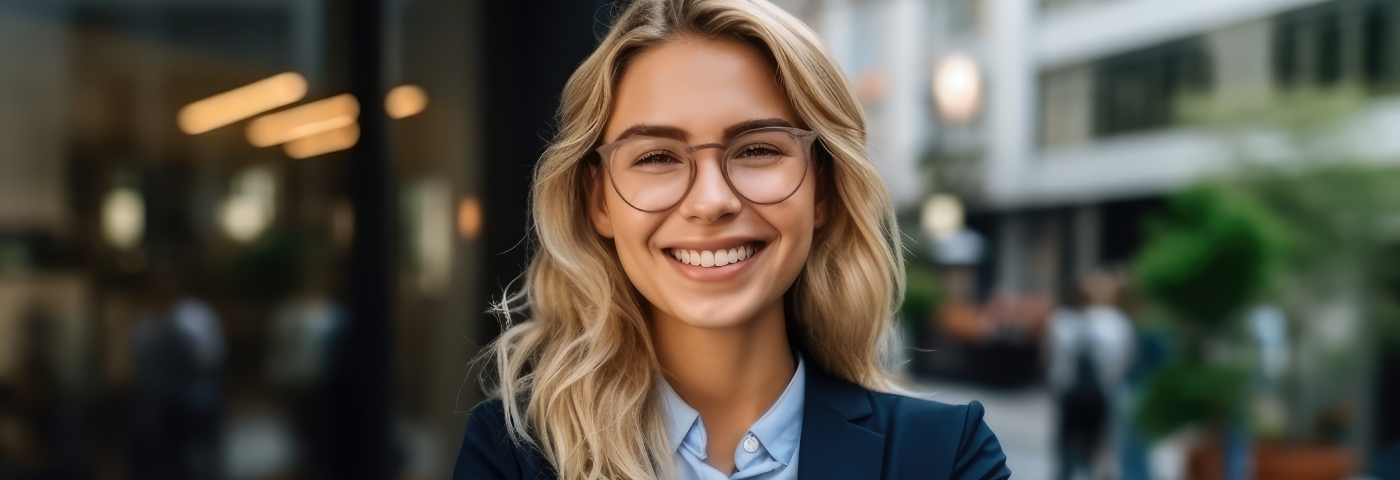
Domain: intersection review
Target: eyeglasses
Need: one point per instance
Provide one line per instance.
(764, 165)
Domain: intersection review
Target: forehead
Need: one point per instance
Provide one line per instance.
(701, 86)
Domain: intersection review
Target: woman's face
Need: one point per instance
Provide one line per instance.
(700, 88)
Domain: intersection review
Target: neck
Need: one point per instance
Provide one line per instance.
(731, 375)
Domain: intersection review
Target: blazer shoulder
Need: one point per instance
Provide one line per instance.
(489, 413)
(897, 410)
(966, 447)
(907, 406)
(488, 451)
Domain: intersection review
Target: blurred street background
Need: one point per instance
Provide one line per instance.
(257, 239)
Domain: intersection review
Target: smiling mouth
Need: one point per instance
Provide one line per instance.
(715, 258)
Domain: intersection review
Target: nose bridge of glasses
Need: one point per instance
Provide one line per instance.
(696, 153)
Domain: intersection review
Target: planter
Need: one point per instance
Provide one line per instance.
(1304, 462)
(1278, 462)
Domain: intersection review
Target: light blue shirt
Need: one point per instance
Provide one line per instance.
(767, 452)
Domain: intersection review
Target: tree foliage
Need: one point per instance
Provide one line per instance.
(1210, 254)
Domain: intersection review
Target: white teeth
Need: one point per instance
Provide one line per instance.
(717, 258)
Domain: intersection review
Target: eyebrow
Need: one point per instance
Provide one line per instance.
(654, 131)
(666, 131)
(741, 127)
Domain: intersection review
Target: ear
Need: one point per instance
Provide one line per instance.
(823, 210)
(598, 204)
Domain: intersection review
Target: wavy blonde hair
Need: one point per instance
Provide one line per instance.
(578, 378)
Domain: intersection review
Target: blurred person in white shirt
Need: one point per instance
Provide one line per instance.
(1089, 351)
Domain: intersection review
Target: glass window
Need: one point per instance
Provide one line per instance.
(1138, 91)
(183, 225)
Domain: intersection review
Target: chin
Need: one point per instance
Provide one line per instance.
(714, 314)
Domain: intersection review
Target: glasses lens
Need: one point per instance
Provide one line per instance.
(766, 166)
(650, 173)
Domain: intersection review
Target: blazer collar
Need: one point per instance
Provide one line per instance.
(835, 441)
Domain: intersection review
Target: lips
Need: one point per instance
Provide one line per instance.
(717, 257)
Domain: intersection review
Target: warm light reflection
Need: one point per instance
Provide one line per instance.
(251, 204)
(405, 101)
(957, 88)
(242, 102)
(304, 121)
(469, 218)
(123, 218)
(942, 216)
(323, 143)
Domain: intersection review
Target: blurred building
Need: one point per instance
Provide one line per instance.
(1074, 132)
(1077, 132)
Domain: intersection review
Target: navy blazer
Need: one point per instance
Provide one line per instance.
(848, 432)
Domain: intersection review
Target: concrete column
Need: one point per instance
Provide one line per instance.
(1242, 61)
(907, 104)
(1011, 100)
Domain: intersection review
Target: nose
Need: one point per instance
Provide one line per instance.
(710, 199)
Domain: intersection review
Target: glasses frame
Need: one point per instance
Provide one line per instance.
(806, 139)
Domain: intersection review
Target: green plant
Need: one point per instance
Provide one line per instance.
(1183, 393)
(922, 295)
(1297, 153)
(1342, 222)
(1211, 253)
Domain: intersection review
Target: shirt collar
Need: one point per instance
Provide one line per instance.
(779, 429)
(680, 419)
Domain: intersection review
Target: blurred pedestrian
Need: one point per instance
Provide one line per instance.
(179, 348)
(1089, 349)
(304, 329)
(1152, 350)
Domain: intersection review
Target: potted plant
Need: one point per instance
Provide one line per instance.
(1210, 255)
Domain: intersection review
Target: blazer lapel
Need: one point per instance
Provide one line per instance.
(834, 445)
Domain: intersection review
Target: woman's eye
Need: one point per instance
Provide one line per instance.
(759, 151)
(655, 159)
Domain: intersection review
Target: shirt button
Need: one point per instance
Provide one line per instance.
(750, 443)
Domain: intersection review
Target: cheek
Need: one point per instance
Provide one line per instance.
(632, 233)
(795, 220)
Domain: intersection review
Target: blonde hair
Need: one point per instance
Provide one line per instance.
(577, 378)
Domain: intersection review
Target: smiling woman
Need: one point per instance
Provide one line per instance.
(717, 271)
